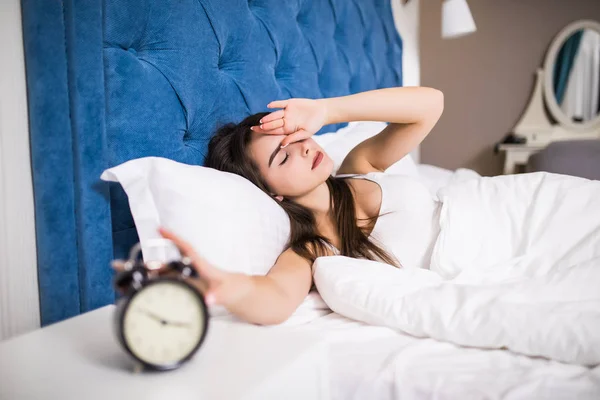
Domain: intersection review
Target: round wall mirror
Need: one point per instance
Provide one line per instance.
(572, 76)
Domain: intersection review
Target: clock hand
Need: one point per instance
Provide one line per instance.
(179, 324)
(162, 320)
(151, 315)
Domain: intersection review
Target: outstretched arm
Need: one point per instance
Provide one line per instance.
(264, 300)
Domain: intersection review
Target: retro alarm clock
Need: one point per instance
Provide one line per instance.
(161, 320)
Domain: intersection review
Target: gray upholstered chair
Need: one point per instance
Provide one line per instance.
(571, 157)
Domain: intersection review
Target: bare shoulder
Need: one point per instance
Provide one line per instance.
(367, 197)
(290, 256)
(290, 260)
(292, 274)
(293, 267)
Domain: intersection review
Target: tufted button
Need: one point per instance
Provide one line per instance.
(186, 135)
(276, 71)
(337, 32)
(355, 84)
(300, 18)
(224, 65)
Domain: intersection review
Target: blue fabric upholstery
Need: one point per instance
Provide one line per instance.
(113, 81)
(63, 51)
(184, 67)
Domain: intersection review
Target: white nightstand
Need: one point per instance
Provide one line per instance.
(80, 359)
(517, 154)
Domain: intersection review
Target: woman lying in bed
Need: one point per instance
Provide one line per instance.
(530, 224)
(329, 215)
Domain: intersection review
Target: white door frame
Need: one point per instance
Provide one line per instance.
(406, 20)
(19, 296)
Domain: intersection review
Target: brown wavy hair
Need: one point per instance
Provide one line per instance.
(228, 151)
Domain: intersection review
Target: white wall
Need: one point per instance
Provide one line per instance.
(406, 18)
(19, 299)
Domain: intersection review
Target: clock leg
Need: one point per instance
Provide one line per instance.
(137, 368)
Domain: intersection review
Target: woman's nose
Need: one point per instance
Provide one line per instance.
(305, 148)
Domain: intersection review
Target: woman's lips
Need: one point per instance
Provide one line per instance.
(317, 160)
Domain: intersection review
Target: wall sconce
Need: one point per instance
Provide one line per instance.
(457, 19)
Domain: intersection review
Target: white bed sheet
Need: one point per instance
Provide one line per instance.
(436, 177)
(373, 362)
(370, 362)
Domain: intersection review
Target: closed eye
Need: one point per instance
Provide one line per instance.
(285, 158)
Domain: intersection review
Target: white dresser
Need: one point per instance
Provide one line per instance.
(518, 155)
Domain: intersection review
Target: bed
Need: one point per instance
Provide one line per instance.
(155, 78)
(375, 362)
(380, 363)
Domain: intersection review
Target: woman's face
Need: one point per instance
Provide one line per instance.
(293, 171)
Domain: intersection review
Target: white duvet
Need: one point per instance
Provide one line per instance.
(516, 266)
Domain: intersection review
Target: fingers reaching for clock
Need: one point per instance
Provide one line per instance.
(118, 265)
(217, 286)
(202, 266)
(212, 280)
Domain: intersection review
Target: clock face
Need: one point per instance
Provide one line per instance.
(164, 323)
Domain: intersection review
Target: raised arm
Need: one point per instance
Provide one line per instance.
(411, 111)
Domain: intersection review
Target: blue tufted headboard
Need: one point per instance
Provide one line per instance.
(121, 79)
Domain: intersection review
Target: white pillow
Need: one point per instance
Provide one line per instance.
(228, 220)
(338, 144)
(366, 290)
